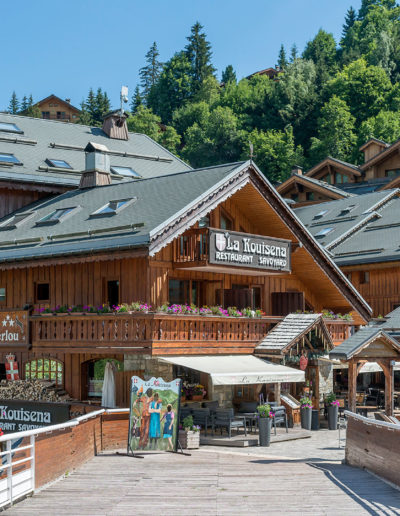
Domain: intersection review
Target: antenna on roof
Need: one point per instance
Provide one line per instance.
(123, 97)
(251, 151)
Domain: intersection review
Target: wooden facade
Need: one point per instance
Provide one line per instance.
(55, 108)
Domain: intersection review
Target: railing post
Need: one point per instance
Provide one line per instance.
(9, 472)
(33, 466)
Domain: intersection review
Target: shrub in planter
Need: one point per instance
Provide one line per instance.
(306, 412)
(333, 409)
(189, 434)
(265, 416)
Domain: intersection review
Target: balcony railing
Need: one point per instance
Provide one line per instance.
(158, 334)
(191, 247)
(339, 329)
(53, 116)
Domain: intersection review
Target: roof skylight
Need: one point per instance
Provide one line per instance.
(124, 171)
(320, 214)
(9, 158)
(55, 216)
(348, 209)
(112, 207)
(58, 163)
(324, 232)
(16, 220)
(10, 128)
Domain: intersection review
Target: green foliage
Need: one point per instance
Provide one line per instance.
(13, 106)
(100, 366)
(150, 73)
(94, 108)
(322, 52)
(384, 126)
(229, 75)
(33, 111)
(198, 53)
(282, 60)
(264, 411)
(137, 100)
(146, 122)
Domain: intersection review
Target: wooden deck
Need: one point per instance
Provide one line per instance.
(209, 483)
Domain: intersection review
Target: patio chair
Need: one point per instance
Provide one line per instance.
(280, 417)
(203, 418)
(247, 406)
(212, 405)
(184, 412)
(224, 418)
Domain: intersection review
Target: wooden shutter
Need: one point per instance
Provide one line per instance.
(284, 303)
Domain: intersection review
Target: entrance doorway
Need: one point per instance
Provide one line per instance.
(93, 377)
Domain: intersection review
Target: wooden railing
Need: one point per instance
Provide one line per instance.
(339, 329)
(192, 246)
(157, 334)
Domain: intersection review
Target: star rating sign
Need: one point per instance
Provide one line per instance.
(4, 322)
(8, 320)
(11, 322)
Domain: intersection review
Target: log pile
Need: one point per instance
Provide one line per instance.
(32, 390)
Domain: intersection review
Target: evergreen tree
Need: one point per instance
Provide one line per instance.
(13, 106)
(84, 117)
(33, 111)
(30, 100)
(24, 103)
(348, 22)
(322, 51)
(198, 53)
(282, 60)
(366, 6)
(137, 100)
(150, 73)
(293, 53)
(229, 75)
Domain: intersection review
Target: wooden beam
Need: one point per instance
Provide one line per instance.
(352, 385)
(387, 367)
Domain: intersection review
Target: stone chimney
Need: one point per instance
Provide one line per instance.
(114, 125)
(297, 171)
(97, 166)
(68, 100)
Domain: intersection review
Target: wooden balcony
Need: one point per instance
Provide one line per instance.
(192, 247)
(155, 334)
(339, 329)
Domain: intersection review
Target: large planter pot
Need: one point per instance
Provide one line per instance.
(264, 431)
(189, 440)
(197, 397)
(333, 417)
(305, 415)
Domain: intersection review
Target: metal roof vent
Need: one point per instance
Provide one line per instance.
(97, 166)
(114, 124)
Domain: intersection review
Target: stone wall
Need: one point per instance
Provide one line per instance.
(325, 371)
(151, 366)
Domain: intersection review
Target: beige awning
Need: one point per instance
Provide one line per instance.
(238, 369)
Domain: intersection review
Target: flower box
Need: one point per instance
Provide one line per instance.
(189, 439)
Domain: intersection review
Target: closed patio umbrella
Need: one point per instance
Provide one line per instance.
(108, 391)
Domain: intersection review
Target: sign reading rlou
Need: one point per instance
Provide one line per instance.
(14, 328)
(245, 250)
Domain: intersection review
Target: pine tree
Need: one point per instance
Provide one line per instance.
(136, 100)
(229, 75)
(198, 53)
(13, 106)
(367, 4)
(282, 61)
(293, 53)
(348, 22)
(30, 101)
(24, 103)
(150, 73)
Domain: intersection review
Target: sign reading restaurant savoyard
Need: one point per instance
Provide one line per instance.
(14, 328)
(244, 250)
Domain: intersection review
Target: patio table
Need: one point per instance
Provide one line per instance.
(363, 409)
(248, 416)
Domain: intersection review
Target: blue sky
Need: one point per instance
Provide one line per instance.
(66, 47)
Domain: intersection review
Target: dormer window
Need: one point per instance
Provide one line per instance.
(58, 163)
(9, 159)
(55, 216)
(112, 207)
(124, 171)
(324, 232)
(10, 128)
(16, 220)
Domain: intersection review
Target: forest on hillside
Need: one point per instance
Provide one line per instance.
(327, 100)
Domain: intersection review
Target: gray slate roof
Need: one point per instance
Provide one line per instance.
(48, 132)
(367, 233)
(326, 185)
(287, 332)
(390, 323)
(156, 200)
(350, 346)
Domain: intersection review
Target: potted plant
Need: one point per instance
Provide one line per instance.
(306, 412)
(333, 408)
(198, 392)
(265, 416)
(189, 434)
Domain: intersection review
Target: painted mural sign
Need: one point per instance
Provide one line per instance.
(20, 415)
(154, 414)
(14, 328)
(245, 250)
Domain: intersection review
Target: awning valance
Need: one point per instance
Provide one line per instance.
(238, 369)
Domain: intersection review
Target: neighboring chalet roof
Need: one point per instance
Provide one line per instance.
(390, 323)
(329, 160)
(369, 186)
(290, 331)
(271, 72)
(363, 229)
(58, 99)
(373, 140)
(359, 340)
(40, 140)
(381, 155)
(154, 212)
(314, 184)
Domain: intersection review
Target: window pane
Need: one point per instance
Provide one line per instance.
(8, 158)
(125, 171)
(59, 163)
(11, 128)
(2, 294)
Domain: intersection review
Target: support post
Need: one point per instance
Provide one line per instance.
(277, 393)
(388, 372)
(352, 385)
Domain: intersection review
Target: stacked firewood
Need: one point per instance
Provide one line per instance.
(32, 390)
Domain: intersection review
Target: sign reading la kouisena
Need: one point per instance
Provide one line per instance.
(20, 415)
(244, 250)
(14, 328)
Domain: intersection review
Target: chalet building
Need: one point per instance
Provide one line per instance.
(55, 108)
(333, 179)
(43, 158)
(271, 73)
(214, 236)
(361, 234)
